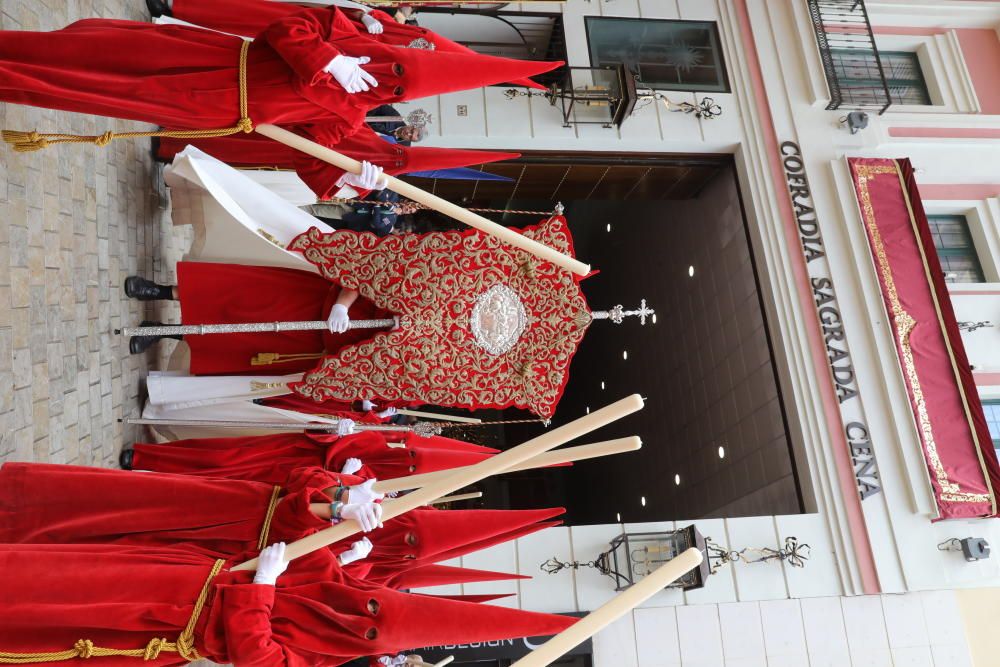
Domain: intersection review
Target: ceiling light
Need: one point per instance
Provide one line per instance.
(602, 384)
(625, 355)
(691, 271)
(609, 227)
(722, 452)
(643, 501)
(588, 412)
(618, 517)
(677, 480)
(654, 318)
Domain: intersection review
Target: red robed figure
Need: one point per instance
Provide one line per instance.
(270, 458)
(187, 78)
(257, 151)
(119, 597)
(47, 504)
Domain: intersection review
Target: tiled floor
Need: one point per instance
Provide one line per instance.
(75, 221)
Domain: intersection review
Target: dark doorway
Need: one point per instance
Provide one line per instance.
(669, 229)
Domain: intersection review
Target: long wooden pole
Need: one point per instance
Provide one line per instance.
(458, 496)
(427, 199)
(597, 620)
(470, 475)
(439, 416)
(567, 455)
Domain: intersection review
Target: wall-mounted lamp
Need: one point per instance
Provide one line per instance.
(855, 121)
(972, 548)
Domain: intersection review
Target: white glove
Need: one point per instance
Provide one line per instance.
(373, 24)
(358, 550)
(270, 564)
(348, 73)
(367, 405)
(388, 412)
(345, 427)
(364, 493)
(338, 321)
(350, 466)
(368, 515)
(369, 178)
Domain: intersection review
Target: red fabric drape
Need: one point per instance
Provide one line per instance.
(961, 462)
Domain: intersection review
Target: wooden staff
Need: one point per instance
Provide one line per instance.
(435, 415)
(431, 201)
(608, 613)
(458, 496)
(470, 475)
(420, 663)
(567, 455)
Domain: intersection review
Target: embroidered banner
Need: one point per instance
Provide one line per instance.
(949, 416)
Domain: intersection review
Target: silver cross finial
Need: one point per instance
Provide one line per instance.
(618, 313)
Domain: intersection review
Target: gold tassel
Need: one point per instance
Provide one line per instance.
(25, 142)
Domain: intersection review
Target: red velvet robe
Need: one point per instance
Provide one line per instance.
(270, 458)
(59, 504)
(182, 77)
(232, 293)
(122, 597)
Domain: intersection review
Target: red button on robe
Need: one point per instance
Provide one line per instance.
(60, 504)
(270, 458)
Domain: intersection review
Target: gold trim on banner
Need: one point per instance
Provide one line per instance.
(947, 340)
(903, 324)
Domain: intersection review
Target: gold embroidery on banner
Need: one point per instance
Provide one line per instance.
(432, 281)
(903, 325)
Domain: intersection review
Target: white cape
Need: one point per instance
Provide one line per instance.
(175, 395)
(235, 219)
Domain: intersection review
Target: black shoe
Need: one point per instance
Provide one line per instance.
(158, 8)
(154, 151)
(125, 459)
(137, 287)
(139, 344)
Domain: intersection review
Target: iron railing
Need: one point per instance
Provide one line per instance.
(854, 72)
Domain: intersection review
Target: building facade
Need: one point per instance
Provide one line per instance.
(817, 98)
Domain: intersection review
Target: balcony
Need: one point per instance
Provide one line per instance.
(854, 71)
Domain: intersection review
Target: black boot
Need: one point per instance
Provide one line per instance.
(139, 344)
(158, 8)
(154, 151)
(137, 287)
(125, 459)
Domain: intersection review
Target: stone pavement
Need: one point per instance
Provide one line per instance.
(74, 221)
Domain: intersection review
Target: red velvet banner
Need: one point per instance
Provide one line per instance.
(960, 458)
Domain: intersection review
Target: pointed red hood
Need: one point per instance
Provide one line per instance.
(444, 575)
(479, 599)
(424, 534)
(404, 34)
(360, 618)
(429, 158)
(509, 536)
(387, 460)
(441, 442)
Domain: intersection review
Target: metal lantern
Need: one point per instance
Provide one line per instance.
(603, 96)
(634, 555)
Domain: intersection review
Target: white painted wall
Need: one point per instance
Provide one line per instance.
(755, 615)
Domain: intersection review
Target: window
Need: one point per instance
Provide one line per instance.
(669, 55)
(858, 71)
(992, 410)
(955, 249)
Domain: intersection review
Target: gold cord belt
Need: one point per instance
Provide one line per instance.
(85, 648)
(266, 528)
(26, 142)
